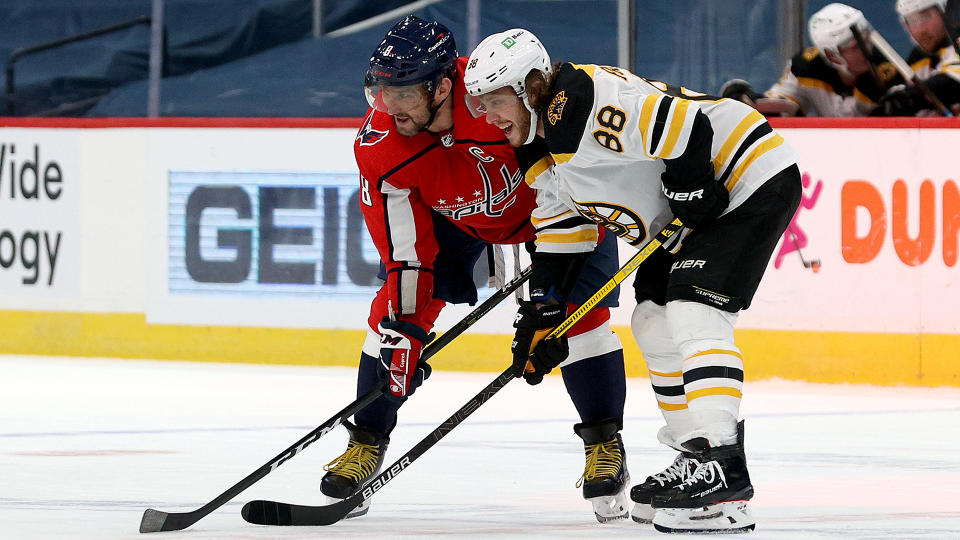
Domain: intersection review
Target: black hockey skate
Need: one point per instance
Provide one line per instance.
(712, 500)
(351, 470)
(605, 477)
(682, 468)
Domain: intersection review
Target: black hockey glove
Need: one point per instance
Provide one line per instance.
(534, 356)
(901, 100)
(696, 205)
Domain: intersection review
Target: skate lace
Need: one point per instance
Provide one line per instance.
(358, 462)
(603, 459)
(681, 469)
(707, 472)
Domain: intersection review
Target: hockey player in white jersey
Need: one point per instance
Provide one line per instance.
(631, 154)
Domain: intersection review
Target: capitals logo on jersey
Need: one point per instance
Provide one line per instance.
(369, 136)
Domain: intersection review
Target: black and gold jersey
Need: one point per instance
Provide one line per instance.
(819, 90)
(941, 71)
(610, 133)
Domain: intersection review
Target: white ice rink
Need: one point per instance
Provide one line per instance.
(87, 445)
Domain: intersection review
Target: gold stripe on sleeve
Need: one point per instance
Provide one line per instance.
(761, 149)
(731, 143)
(676, 126)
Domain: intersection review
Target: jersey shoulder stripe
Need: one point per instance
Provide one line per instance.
(664, 122)
(736, 139)
(569, 110)
(757, 131)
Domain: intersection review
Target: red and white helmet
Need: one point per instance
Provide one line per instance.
(830, 30)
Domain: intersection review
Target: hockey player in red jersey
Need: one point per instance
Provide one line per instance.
(436, 186)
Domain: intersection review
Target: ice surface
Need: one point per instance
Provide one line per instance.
(86, 445)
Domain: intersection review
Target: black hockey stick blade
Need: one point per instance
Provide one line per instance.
(278, 513)
(260, 512)
(159, 521)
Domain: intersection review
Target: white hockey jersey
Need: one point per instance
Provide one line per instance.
(608, 133)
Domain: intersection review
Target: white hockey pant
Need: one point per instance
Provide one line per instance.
(695, 368)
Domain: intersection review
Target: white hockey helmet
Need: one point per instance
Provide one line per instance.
(830, 30)
(906, 7)
(502, 60)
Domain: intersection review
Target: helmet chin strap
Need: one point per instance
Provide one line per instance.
(534, 118)
(433, 112)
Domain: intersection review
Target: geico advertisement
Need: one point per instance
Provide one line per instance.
(269, 234)
(39, 205)
(874, 244)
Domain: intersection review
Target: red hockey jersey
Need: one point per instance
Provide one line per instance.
(468, 174)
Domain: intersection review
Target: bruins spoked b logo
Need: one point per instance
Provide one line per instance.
(622, 221)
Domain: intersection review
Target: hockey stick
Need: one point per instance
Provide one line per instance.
(157, 520)
(277, 513)
(905, 70)
(813, 264)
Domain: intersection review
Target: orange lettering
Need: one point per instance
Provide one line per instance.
(856, 194)
(914, 251)
(951, 222)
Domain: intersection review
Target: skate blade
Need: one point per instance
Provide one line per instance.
(722, 518)
(360, 510)
(612, 507)
(642, 513)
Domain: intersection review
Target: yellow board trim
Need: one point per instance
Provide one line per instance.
(824, 357)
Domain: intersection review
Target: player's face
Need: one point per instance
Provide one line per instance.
(409, 107)
(926, 28)
(856, 62)
(505, 110)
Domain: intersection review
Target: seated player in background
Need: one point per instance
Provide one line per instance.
(832, 78)
(934, 60)
(436, 186)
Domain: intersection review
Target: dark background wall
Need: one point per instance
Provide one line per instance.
(259, 58)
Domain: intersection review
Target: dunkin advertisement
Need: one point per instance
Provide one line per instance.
(874, 244)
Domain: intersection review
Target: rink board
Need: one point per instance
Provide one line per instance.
(239, 240)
